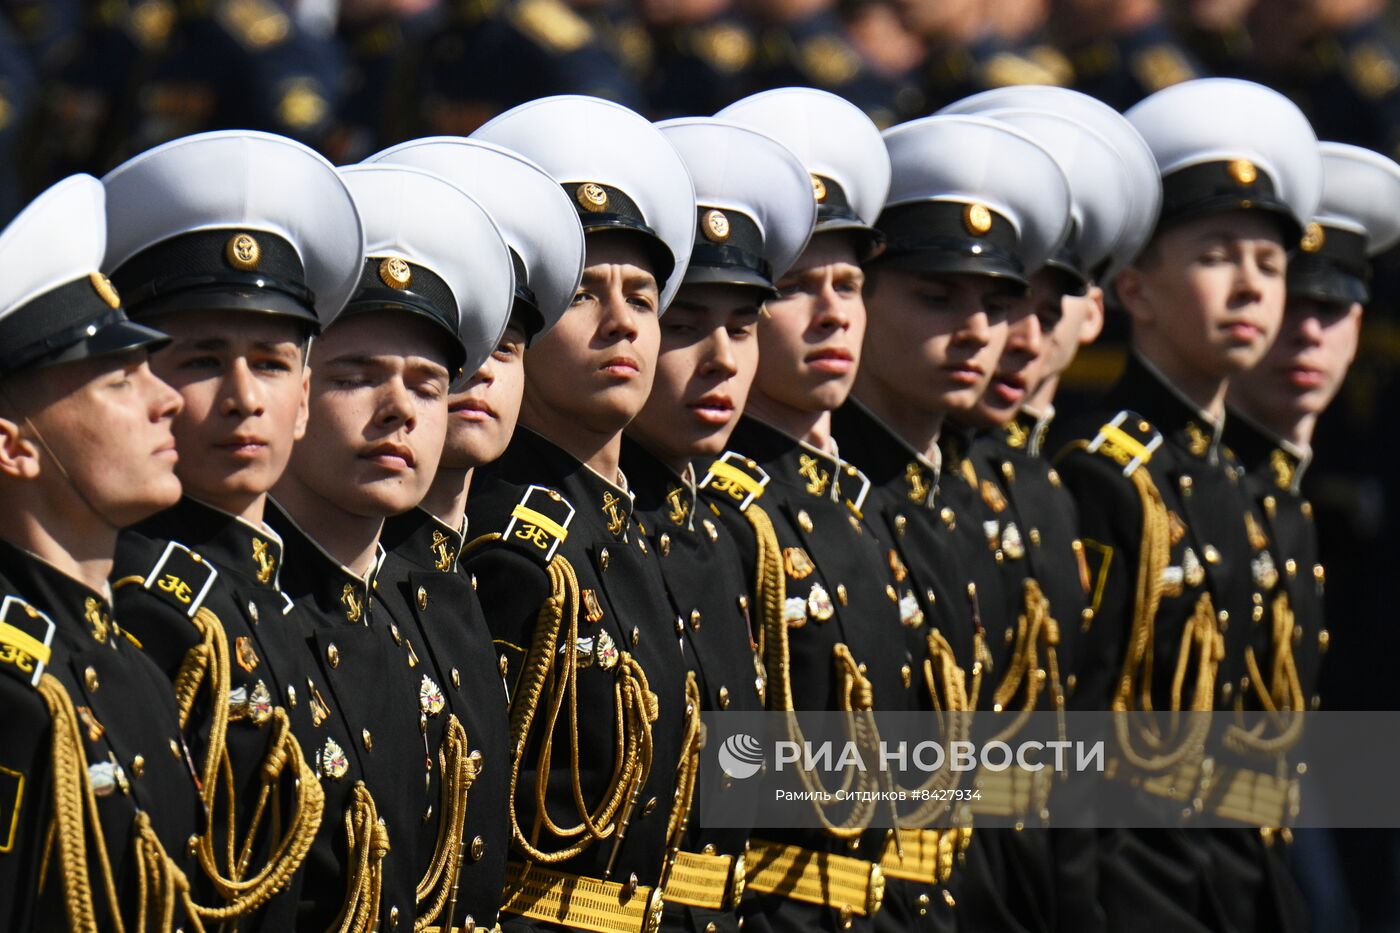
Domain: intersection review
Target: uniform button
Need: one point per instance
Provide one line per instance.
(394, 632)
(642, 543)
(504, 665)
(724, 698)
(841, 593)
(695, 619)
(1008, 471)
(804, 521)
(648, 807)
(1224, 616)
(138, 766)
(333, 655)
(949, 518)
(473, 581)
(1210, 553)
(743, 602)
(636, 636)
(680, 626)
(253, 612)
(1324, 638)
(665, 545)
(175, 750)
(422, 598)
(932, 596)
(1257, 614)
(907, 675)
(710, 927)
(1185, 484)
(889, 591)
(367, 739)
(1290, 567)
(428, 813)
(604, 558)
(456, 677)
(291, 696)
(901, 524)
(469, 924)
(393, 916)
(1319, 574)
(631, 886)
(1226, 690)
(478, 848)
(971, 590)
(949, 899)
(709, 849)
(192, 846)
(1034, 535)
(90, 678)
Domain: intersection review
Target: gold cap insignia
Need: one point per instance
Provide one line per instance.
(105, 290)
(243, 252)
(1243, 171)
(716, 226)
(818, 189)
(395, 272)
(592, 197)
(977, 218)
(1313, 238)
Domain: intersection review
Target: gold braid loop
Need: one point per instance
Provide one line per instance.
(635, 709)
(687, 772)
(854, 690)
(1283, 699)
(458, 769)
(366, 845)
(207, 665)
(946, 683)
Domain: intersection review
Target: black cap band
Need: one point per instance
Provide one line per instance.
(61, 324)
(728, 250)
(1331, 265)
(389, 283)
(1068, 266)
(603, 208)
(1222, 187)
(183, 271)
(952, 237)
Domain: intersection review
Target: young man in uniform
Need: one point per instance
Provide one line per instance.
(1276, 405)
(754, 213)
(96, 783)
(826, 614)
(954, 269)
(1115, 196)
(545, 239)
(569, 584)
(200, 580)
(1178, 574)
(433, 292)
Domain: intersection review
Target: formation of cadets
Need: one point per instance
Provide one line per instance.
(379, 533)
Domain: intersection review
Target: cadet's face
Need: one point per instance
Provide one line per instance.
(709, 354)
(1211, 294)
(810, 343)
(1305, 367)
(1079, 323)
(244, 386)
(1021, 365)
(595, 367)
(379, 384)
(483, 412)
(108, 421)
(935, 340)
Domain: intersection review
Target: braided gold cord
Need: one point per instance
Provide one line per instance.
(687, 772)
(854, 691)
(458, 772)
(634, 710)
(366, 844)
(1283, 699)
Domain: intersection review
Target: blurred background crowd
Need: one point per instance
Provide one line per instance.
(85, 84)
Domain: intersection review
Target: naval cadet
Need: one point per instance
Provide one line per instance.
(601, 733)
(200, 581)
(433, 294)
(953, 271)
(1276, 405)
(1115, 192)
(1160, 499)
(96, 782)
(825, 604)
(542, 231)
(1120, 50)
(754, 213)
